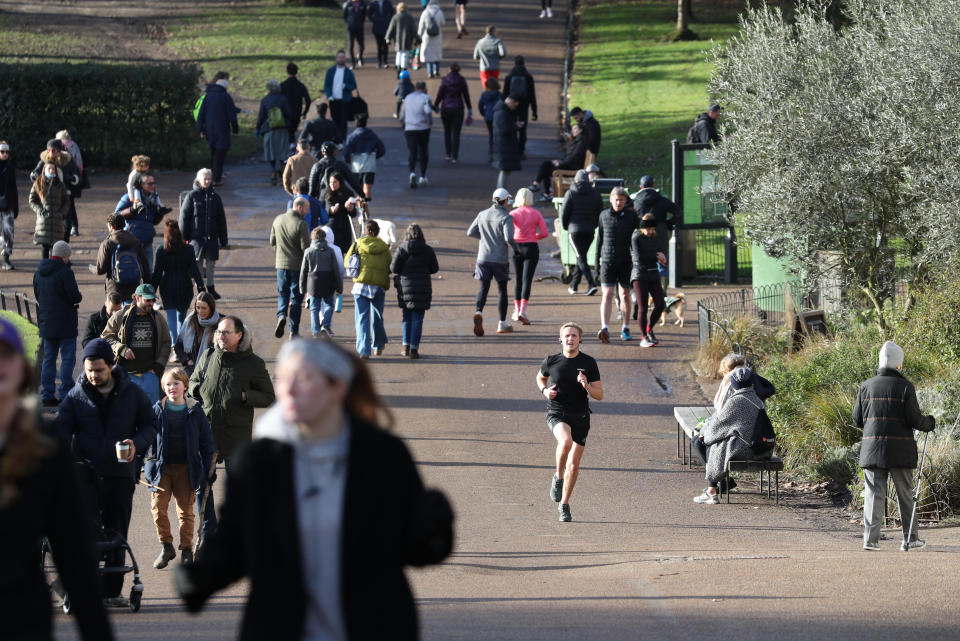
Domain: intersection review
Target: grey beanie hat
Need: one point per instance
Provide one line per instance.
(741, 377)
(891, 355)
(61, 249)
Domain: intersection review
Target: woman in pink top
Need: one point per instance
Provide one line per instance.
(528, 228)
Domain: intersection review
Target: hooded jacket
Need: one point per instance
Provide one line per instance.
(51, 211)
(140, 220)
(219, 381)
(58, 296)
(506, 145)
(363, 140)
(199, 439)
(96, 323)
(374, 261)
(413, 264)
(730, 435)
(321, 273)
(887, 411)
(489, 50)
(581, 208)
(203, 222)
(67, 169)
(322, 170)
(92, 423)
(614, 233)
(705, 129)
(431, 47)
(119, 332)
(453, 92)
(494, 228)
(512, 85)
(416, 114)
(591, 131)
(664, 211)
(217, 117)
(105, 262)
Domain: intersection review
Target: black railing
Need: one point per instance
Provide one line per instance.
(767, 303)
(19, 302)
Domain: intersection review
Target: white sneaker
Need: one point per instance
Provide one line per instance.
(422, 181)
(549, 12)
(413, 180)
(504, 328)
(707, 498)
(515, 316)
(543, 13)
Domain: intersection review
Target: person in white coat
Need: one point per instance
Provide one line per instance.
(430, 31)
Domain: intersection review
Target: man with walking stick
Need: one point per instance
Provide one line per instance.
(887, 411)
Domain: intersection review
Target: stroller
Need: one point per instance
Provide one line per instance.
(111, 547)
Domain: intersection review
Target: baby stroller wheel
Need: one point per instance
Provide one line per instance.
(66, 605)
(136, 593)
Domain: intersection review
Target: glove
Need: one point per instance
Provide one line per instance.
(534, 117)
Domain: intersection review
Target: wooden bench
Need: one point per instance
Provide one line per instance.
(687, 420)
(770, 465)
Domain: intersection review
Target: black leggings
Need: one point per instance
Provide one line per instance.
(489, 139)
(644, 289)
(501, 304)
(418, 144)
(382, 51)
(452, 124)
(355, 37)
(546, 3)
(545, 175)
(525, 265)
(581, 243)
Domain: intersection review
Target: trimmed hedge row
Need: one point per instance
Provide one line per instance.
(111, 111)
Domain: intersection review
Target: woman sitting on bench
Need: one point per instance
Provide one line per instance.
(740, 431)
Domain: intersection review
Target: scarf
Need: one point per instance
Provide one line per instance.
(188, 336)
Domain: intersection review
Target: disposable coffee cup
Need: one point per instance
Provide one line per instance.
(123, 451)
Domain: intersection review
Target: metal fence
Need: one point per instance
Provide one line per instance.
(766, 303)
(712, 254)
(19, 302)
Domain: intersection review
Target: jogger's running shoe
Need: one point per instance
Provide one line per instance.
(646, 342)
(625, 334)
(653, 338)
(603, 335)
(556, 488)
(564, 510)
(478, 324)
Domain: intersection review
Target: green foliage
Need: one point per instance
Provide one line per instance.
(29, 333)
(839, 465)
(111, 110)
(643, 90)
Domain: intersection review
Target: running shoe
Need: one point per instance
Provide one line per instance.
(504, 328)
(707, 498)
(423, 181)
(549, 12)
(478, 324)
(591, 290)
(564, 510)
(523, 319)
(652, 337)
(556, 488)
(281, 323)
(625, 334)
(413, 180)
(603, 335)
(543, 13)
(543, 198)
(534, 187)
(116, 602)
(646, 342)
(571, 290)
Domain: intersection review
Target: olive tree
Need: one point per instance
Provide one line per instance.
(842, 147)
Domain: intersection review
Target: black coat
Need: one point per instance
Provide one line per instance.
(324, 168)
(380, 16)
(58, 296)
(576, 154)
(95, 326)
(528, 100)
(203, 222)
(506, 146)
(412, 265)
(298, 98)
(217, 117)
(887, 410)
(643, 252)
(591, 131)
(354, 17)
(382, 532)
(613, 235)
(581, 208)
(9, 196)
(50, 505)
(343, 231)
(665, 212)
(705, 129)
(316, 132)
(172, 271)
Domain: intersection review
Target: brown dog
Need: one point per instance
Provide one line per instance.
(675, 304)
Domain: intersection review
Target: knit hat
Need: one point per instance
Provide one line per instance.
(646, 181)
(61, 249)
(741, 377)
(891, 355)
(323, 354)
(96, 349)
(10, 335)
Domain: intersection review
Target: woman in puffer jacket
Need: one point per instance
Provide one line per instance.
(50, 201)
(413, 264)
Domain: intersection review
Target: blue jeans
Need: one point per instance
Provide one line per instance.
(149, 383)
(174, 321)
(321, 312)
(67, 349)
(412, 327)
(289, 297)
(209, 516)
(369, 311)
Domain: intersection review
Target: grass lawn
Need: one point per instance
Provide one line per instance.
(643, 90)
(29, 333)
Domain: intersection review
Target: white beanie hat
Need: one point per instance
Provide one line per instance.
(891, 355)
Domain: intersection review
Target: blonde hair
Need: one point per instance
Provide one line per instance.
(140, 162)
(573, 325)
(524, 198)
(177, 373)
(63, 134)
(730, 362)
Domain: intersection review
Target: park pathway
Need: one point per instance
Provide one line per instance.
(640, 560)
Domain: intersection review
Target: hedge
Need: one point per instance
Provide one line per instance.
(112, 111)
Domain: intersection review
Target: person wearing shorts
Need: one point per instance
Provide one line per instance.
(494, 228)
(614, 232)
(569, 380)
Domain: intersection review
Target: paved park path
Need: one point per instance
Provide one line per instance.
(640, 560)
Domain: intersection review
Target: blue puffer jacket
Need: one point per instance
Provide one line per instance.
(92, 423)
(217, 116)
(199, 444)
(139, 222)
(57, 294)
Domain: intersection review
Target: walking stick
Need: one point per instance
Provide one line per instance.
(916, 494)
(203, 500)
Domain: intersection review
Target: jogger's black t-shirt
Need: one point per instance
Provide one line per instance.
(571, 397)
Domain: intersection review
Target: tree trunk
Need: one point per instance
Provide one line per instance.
(684, 14)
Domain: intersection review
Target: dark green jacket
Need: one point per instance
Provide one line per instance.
(887, 410)
(219, 381)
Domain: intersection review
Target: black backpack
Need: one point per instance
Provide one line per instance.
(764, 438)
(518, 86)
(692, 137)
(433, 29)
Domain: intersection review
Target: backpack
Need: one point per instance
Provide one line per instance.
(353, 263)
(764, 438)
(275, 119)
(518, 86)
(197, 105)
(126, 265)
(692, 136)
(433, 29)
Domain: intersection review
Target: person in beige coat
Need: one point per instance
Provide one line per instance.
(298, 166)
(288, 236)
